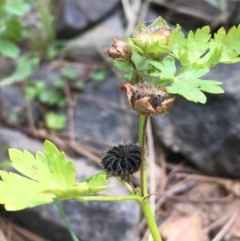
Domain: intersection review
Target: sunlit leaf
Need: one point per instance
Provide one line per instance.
(47, 175)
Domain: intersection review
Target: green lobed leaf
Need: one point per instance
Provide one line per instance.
(126, 68)
(190, 50)
(176, 35)
(55, 121)
(34, 88)
(188, 84)
(50, 97)
(202, 50)
(97, 183)
(28, 165)
(13, 30)
(48, 175)
(167, 69)
(100, 75)
(2, 6)
(210, 86)
(94, 185)
(229, 42)
(26, 66)
(140, 62)
(17, 192)
(192, 72)
(69, 74)
(18, 8)
(63, 172)
(9, 48)
(188, 91)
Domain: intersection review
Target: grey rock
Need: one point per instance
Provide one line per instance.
(12, 103)
(101, 114)
(76, 15)
(101, 221)
(105, 221)
(101, 117)
(192, 14)
(208, 135)
(14, 139)
(88, 46)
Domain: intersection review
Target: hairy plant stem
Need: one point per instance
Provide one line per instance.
(152, 225)
(145, 204)
(108, 198)
(142, 137)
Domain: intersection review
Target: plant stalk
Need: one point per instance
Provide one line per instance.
(146, 209)
(108, 198)
(142, 140)
(145, 204)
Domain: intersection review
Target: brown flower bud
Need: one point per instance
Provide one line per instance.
(119, 50)
(147, 99)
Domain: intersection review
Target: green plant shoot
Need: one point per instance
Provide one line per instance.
(153, 51)
(149, 62)
(46, 176)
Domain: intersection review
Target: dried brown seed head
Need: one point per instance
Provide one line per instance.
(147, 99)
(119, 50)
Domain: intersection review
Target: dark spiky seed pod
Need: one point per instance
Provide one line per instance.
(122, 160)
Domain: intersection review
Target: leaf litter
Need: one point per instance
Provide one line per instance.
(206, 210)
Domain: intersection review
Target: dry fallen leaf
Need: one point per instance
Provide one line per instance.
(186, 228)
(232, 186)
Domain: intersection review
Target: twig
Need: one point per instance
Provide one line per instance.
(2, 236)
(226, 227)
(144, 10)
(29, 116)
(70, 111)
(143, 161)
(176, 189)
(200, 177)
(151, 165)
(201, 200)
(164, 179)
(217, 223)
(185, 10)
(131, 13)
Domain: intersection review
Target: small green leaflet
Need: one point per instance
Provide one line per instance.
(18, 192)
(9, 48)
(46, 176)
(230, 44)
(141, 64)
(202, 50)
(191, 49)
(26, 66)
(188, 84)
(167, 70)
(126, 68)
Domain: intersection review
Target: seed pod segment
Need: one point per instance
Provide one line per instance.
(147, 99)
